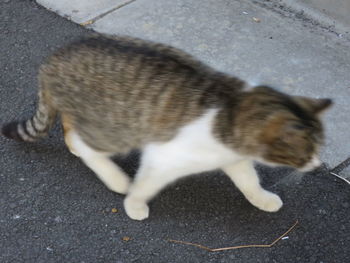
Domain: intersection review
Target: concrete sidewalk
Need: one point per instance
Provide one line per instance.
(250, 40)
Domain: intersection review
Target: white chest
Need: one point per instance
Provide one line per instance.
(193, 150)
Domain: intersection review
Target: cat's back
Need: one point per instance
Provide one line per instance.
(110, 55)
(120, 68)
(138, 88)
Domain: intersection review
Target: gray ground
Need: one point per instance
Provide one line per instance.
(53, 209)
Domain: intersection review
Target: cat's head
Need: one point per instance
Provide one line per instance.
(279, 129)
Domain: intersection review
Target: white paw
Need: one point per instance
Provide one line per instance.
(267, 201)
(120, 186)
(73, 152)
(135, 209)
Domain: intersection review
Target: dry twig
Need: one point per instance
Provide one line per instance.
(86, 23)
(236, 247)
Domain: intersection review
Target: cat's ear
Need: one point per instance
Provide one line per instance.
(316, 106)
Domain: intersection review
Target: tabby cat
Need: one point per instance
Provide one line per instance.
(115, 94)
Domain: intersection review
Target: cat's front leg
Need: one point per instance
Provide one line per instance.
(107, 171)
(244, 176)
(160, 165)
(147, 184)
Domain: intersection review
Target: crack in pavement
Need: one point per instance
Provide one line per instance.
(340, 167)
(93, 20)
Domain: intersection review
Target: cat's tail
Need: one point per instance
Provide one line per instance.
(37, 126)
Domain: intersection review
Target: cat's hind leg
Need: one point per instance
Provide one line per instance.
(244, 176)
(107, 171)
(67, 126)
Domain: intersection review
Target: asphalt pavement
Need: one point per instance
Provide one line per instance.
(54, 209)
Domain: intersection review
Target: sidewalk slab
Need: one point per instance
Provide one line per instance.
(277, 50)
(81, 11)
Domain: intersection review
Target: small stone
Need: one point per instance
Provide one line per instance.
(257, 20)
(126, 239)
(58, 219)
(114, 210)
(322, 211)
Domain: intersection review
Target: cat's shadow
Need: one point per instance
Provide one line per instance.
(208, 195)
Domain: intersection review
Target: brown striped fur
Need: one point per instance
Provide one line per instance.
(120, 93)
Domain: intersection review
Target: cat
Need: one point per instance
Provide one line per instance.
(115, 94)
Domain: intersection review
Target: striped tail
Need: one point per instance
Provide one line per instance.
(36, 127)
